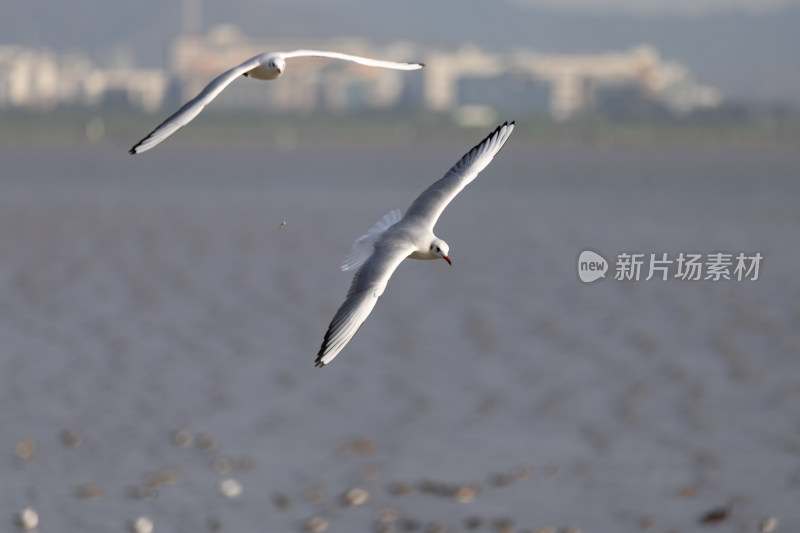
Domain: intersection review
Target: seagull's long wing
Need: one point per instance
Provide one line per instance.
(425, 210)
(193, 107)
(368, 284)
(358, 59)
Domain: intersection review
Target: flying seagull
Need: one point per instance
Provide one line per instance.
(264, 66)
(394, 237)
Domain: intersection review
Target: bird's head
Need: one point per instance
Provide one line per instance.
(441, 249)
(277, 64)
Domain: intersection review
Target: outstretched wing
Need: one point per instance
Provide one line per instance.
(193, 107)
(358, 59)
(368, 284)
(428, 206)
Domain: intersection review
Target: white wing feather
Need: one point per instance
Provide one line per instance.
(364, 245)
(357, 59)
(368, 284)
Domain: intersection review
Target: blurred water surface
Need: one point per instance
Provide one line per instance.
(141, 295)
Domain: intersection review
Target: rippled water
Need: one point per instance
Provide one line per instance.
(141, 295)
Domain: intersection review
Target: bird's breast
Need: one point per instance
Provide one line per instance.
(423, 255)
(264, 73)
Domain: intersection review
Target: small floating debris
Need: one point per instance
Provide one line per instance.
(648, 523)
(28, 519)
(244, 464)
(356, 496)
(768, 525)
(315, 495)
(359, 445)
(205, 442)
(25, 448)
(387, 515)
(409, 524)
(281, 500)
(364, 446)
(165, 476)
(142, 492)
(142, 525)
(71, 438)
(182, 438)
(213, 525)
(714, 516)
(553, 470)
(687, 492)
(221, 466)
(316, 524)
(504, 525)
(522, 472)
(400, 489)
(501, 480)
(473, 522)
(230, 488)
(435, 527)
(466, 493)
(282, 225)
(437, 488)
(89, 491)
(369, 472)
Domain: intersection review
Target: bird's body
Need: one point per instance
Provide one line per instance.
(380, 251)
(264, 66)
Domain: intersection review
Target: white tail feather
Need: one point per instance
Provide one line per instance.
(362, 248)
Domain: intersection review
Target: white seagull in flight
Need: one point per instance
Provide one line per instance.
(265, 66)
(393, 238)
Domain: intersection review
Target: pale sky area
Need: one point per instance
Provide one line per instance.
(746, 48)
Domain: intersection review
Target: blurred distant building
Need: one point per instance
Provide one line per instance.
(565, 86)
(471, 83)
(39, 79)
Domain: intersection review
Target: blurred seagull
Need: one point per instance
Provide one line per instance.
(265, 66)
(394, 237)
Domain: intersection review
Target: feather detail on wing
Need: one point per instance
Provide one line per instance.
(429, 205)
(368, 284)
(364, 245)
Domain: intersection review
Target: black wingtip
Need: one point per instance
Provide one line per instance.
(132, 151)
(500, 127)
(421, 64)
(318, 363)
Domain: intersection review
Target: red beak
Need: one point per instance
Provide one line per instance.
(447, 258)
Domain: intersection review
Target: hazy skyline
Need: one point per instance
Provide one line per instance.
(747, 49)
